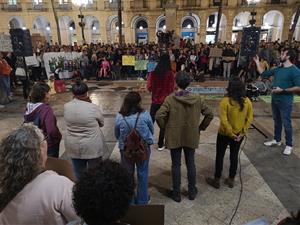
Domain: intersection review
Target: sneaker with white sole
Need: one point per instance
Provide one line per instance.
(288, 150)
(272, 143)
(161, 148)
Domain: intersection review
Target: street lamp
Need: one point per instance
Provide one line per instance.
(253, 3)
(81, 4)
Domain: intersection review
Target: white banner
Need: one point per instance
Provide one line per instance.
(5, 43)
(66, 62)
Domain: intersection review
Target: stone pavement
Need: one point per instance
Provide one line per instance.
(271, 181)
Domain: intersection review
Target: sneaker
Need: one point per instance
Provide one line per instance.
(193, 194)
(214, 182)
(272, 143)
(288, 150)
(229, 182)
(161, 148)
(174, 195)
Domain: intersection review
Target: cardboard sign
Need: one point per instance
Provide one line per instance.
(5, 43)
(128, 60)
(215, 52)
(31, 60)
(141, 65)
(228, 58)
(151, 66)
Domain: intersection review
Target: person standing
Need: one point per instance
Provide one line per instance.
(160, 83)
(236, 116)
(286, 82)
(39, 112)
(179, 116)
(131, 116)
(84, 141)
(5, 71)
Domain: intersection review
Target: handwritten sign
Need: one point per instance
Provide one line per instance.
(140, 65)
(128, 60)
(207, 90)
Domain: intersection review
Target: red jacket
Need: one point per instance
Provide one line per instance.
(160, 86)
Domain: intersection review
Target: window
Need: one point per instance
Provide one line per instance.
(37, 2)
(12, 2)
(63, 2)
(188, 23)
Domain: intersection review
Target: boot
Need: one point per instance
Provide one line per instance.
(230, 182)
(193, 193)
(174, 195)
(214, 182)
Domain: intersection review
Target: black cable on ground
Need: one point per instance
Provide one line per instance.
(241, 180)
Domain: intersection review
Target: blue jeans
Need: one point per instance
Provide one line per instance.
(81, 165)
(5, 80)
(142, 196)
(282, 111)
(53, 151)
(176, 168)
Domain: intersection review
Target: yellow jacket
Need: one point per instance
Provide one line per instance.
(232, 120)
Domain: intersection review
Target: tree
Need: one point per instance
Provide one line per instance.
(295, 21)
(219, 21)
(56, 21)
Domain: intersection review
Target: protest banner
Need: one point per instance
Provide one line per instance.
(151, 66)
(140, 65)
(128, 60)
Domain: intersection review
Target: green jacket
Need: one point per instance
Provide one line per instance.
(179, 115)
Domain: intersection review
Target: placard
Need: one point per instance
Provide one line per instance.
(141, 65)
(151, 66)
(128, 60)
(215, 52)
(5, 43)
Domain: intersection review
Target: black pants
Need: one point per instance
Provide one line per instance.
(222, 143)
(154, 108)
(190, 165)
(36, 73)
(26, 87)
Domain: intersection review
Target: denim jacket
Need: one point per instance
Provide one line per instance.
(144, 127)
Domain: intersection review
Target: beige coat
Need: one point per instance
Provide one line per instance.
(46, 200)
(84, 138)
(180, 117)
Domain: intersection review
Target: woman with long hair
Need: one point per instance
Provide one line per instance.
(161, 84)
(84, 141)
(236, 116)
(29, 194)
(132, 115)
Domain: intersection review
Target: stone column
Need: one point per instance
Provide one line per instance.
(230, 16)
(171, 13)
(203, 23)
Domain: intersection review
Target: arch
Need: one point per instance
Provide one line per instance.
(272, 25)
(240, 21)
(160, 23)
(297, 29)
(67, 29)
(16, 22)
(190, 24)
(211, 25)
(41, 25)
(92, 29)
(112, 29)
(140, 26)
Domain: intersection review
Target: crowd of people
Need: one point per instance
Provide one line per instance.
(104, 189)
(104, 61)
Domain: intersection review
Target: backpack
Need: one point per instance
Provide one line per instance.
(135, 147)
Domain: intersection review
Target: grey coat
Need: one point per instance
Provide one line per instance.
(84, 138)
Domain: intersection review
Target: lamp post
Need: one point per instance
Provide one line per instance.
(253, 3)
(120, 21)
(81, 4)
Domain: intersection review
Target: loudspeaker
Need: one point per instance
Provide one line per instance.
(250, 41)
(21, 42)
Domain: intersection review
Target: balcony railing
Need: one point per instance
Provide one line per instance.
(190, 4)
(141, 4)
(161, 3)
(63, 5)
(275, 2)
(91, 6)
(214, 3)
(11, 7)
(42, 6)
(112, 5)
